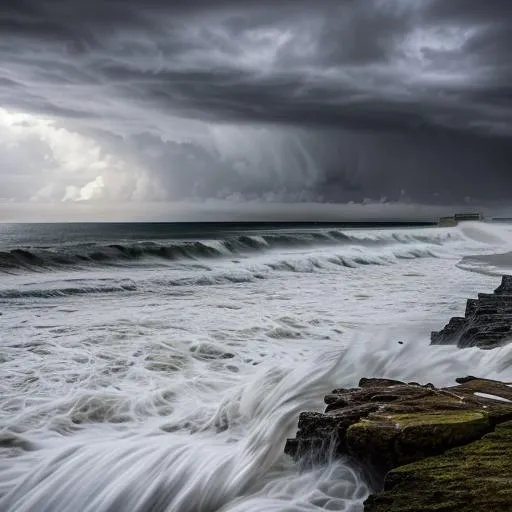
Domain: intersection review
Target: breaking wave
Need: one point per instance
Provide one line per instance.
(350, 258)
(66, 290)
(78, 256)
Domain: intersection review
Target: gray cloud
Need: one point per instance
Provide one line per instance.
(344, 64)
(295, 100)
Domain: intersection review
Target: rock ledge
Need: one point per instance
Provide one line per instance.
(487, 322)
(386, 424)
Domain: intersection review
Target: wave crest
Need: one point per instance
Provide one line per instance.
(119, 254)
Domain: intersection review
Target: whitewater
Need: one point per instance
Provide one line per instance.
(144, 368)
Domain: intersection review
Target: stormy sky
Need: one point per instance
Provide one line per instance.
(138, 102)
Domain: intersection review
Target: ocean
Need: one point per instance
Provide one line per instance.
(161, 367)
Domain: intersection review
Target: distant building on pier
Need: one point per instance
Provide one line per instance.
(460, 217)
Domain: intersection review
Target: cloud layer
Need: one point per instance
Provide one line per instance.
(246, 100)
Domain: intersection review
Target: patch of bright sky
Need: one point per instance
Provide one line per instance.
(78, 168)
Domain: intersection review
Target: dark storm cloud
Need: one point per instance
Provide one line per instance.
(339, 66)
(382, 95)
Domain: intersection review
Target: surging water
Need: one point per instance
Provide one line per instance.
(167, 382)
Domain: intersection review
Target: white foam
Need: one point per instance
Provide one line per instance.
(132, 401)
(486, 233)
(492, 397)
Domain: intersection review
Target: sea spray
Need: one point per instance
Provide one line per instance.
(241, 464)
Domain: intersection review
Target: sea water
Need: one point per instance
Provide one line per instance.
(162, 367)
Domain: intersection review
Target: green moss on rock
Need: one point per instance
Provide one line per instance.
(471, 478)
(372, 442)
(420, 430)
(388, 440)
(432, 418)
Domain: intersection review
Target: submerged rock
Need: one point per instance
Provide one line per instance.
(487, 322)
(385, 424)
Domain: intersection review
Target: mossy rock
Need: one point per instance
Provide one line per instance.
(386, 423)
(372, 442)
(471, 478)
(390, 440)
(425, 434)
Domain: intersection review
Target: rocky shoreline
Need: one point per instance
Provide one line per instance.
(487, 322)
(425, 448)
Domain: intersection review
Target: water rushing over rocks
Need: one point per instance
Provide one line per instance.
(447, 448)
(173, 384)
(414, 430)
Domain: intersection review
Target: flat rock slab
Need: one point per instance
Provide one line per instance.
(487, 322)
(384, 424)
(471, 478)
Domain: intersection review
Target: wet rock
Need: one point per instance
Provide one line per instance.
(467, 479)
(322, 435)
(415, 432)
(387, 423)
(371, 383)
(487, 322)
(505, 287)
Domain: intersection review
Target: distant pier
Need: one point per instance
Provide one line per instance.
(460, 217)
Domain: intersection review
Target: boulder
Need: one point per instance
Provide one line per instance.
(466, 479)
(487, 322)
(385, 424)
(410, 431)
